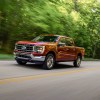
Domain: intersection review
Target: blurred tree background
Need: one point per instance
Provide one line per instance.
(26, 19)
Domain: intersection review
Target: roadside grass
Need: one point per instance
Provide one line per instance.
(6, 57)
(90, 59)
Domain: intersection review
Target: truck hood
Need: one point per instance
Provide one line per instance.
(34, 43)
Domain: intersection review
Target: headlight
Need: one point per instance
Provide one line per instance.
(39, 49)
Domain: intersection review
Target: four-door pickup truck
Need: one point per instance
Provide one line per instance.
(48, 49)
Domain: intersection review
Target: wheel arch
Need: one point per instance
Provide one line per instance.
(52, 52)
(79, 54)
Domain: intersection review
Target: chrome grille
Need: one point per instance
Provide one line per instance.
(24, 47)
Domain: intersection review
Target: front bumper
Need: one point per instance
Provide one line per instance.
(29, 57)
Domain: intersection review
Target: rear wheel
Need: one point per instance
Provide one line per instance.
(49, 62)
(21, 62)
(77, 62)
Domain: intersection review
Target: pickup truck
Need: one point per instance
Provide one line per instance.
(48, 49)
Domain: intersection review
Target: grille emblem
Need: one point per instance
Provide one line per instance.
(23, 47)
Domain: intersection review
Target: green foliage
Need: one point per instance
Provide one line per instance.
(25, 19)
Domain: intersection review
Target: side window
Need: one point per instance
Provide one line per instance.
(69, 42)
(62, 42)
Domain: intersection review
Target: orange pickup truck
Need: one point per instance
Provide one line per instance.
(48, 49)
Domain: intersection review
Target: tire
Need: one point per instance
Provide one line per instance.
(21, 62)
(49, 62)
(77, 62)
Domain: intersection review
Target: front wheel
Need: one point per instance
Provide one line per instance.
(21, 62)
(77, 62)
(49, 62)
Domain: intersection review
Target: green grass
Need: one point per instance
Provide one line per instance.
(90, 59)
(6, 57)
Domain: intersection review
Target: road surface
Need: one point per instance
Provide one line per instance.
(64, 82)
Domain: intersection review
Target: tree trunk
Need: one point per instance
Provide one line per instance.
(75, 5)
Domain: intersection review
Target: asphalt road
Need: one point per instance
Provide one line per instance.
(64, 82)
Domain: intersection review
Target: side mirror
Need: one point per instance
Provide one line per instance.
(61, 44)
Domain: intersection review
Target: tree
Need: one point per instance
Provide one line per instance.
(25, 19)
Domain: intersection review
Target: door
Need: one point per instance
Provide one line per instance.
(66, 49)
(70, 49)
(62, 50)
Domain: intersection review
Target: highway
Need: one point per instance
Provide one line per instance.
(64, 82)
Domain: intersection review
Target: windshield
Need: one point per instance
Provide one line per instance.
(45, 39)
